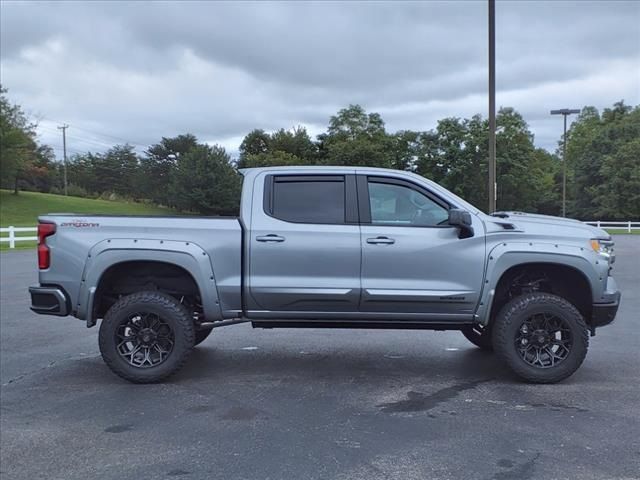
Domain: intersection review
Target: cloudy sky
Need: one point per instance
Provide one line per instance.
(120, 71)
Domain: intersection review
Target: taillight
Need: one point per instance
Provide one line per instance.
(44, 256)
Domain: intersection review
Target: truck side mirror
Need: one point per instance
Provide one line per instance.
(461, 219)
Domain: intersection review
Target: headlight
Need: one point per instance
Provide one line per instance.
(604, 248)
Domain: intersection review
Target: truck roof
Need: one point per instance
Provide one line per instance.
(245, 171)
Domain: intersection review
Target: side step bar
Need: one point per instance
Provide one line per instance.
(368, 324)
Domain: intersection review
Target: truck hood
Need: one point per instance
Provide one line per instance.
(543, 225)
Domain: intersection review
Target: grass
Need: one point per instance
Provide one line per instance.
(621, 231)
(22, 210)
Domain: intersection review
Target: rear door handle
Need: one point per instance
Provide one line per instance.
(272, 237)
(381, 241)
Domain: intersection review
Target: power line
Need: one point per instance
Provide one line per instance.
(109, 136)
(90, 141)
(142, 145)
(95, 141)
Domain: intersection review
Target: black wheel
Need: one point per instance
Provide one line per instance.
(480, 336)
(146, 336)
(541, 337)
(201, 335)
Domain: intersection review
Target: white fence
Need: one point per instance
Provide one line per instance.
(12, 238)
(628, 226)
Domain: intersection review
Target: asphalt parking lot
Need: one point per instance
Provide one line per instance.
(313, 404)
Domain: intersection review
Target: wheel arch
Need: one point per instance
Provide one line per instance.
(132, 276)
(560, 279)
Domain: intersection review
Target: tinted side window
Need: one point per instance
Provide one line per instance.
(399, 205)
(309, 201)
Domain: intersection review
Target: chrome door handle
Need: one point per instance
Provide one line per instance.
(381, 241)
(272, 237)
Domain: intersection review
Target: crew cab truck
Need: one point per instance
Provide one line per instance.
(331, 247)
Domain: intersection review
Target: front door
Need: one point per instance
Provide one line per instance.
(304, 250)
(412, 261)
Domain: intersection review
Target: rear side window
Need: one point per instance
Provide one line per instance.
(308, 199)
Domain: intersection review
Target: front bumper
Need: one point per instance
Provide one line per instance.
(49, 301)
(604, 313)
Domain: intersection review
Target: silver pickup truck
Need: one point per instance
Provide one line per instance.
(333, 248)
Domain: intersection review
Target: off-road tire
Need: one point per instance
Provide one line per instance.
(508, 322)
(202, 334)
(171, 312)
(480, 336)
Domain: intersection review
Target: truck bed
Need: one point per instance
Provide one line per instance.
(81, 240)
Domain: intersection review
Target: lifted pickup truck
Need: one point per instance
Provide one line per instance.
(336, 248)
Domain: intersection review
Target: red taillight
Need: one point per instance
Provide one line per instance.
(44, 257)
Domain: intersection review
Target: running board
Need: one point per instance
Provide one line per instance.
(222, 323)
(365, 324)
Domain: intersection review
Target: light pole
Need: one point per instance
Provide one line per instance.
(492, 106)
(565, 112)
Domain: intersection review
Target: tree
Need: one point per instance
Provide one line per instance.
(81, 172)
(405, 148)
(41, 174)
(356, 138)
(204, 181)
(456, 154)
(548, 199)
(283, 147)
(272, 159)
(17, 142)
(159, 162)
(115, 171)
(619, 196)
(600, 154)
(520, 181)
(254, 143)
(462, 150)
(295, 142)
(428, 161)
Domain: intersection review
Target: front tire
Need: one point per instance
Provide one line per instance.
(541, 337)
(146, 336)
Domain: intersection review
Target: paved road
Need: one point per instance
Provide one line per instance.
(313, 404)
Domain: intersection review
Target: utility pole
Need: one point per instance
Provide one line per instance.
(565, 112)
(492, 106)
(64, 152)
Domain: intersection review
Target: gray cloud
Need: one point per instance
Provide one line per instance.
(137, 71)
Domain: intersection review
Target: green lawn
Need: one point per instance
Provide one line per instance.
(621, 231)
(22, 210)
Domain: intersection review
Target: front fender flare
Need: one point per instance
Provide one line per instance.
(506, 255)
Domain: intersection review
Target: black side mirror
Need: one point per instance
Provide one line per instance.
(461, 219)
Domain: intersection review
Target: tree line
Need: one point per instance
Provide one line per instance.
(603, 162)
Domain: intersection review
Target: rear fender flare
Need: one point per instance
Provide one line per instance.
(187, 255)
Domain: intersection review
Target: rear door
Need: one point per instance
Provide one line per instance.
(412, 260)
(304, 248)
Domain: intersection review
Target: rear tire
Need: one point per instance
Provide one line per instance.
(146, 336)
(541, 337)
(201, 335)
(480, 336)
